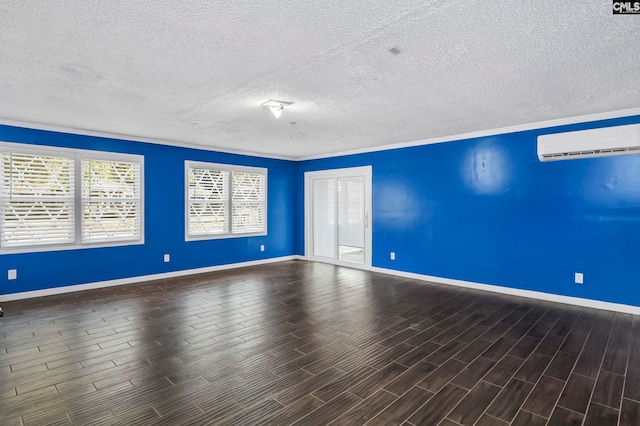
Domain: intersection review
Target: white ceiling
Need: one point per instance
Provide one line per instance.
(196, 72)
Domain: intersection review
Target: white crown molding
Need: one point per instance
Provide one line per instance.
(138, 279)
(483, 133)
(451, 138)
(131, 138)
(549, 297)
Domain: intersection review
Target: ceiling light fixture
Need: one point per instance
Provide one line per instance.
(276, 107)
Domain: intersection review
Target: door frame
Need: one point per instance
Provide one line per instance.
(365, 171)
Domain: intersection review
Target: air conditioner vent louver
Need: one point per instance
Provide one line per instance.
(602, 142)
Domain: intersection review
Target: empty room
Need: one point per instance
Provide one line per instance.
(312, 213)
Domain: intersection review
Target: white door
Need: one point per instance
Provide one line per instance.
(337, 212)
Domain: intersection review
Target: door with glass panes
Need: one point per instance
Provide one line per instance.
(338, 206)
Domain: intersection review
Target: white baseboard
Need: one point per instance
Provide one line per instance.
(131, 280)
(550, 297)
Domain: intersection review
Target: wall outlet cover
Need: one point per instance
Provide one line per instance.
(579, 278)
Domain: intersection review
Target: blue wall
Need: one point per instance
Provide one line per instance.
(483, 210)
(486, 210)
(164, 220)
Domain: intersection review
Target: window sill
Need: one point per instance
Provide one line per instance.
(69, 247)
(189, 238)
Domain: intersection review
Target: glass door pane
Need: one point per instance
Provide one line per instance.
(324, 235)
(351, 219)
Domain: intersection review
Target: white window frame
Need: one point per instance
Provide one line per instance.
(124, 158)
(188, 164)
(77, 155)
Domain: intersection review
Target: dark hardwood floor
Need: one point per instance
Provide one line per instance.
(313, 344)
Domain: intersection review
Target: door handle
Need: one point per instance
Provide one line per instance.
(366, 219)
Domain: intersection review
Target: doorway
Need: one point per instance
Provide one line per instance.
(338, 216)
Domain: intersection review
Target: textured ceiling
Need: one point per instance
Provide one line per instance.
(196, 72)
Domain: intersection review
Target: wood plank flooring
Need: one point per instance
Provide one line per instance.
(312, 344)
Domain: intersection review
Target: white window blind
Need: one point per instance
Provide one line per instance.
(56, 198)
(224, 200)
(248, 202)
(110, 200)
(37, 200)
(208, 201)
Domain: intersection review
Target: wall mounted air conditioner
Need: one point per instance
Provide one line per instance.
(606, 141)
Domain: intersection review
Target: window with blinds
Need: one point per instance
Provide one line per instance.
(57, 197)
(208, 201)
(248, 202)
(110, 200)
(37, 200)
(225, 201)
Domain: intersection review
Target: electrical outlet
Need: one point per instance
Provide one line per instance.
(579, 278)
(392, 255)
(12, 274)
(261, 247)
(167, 258)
